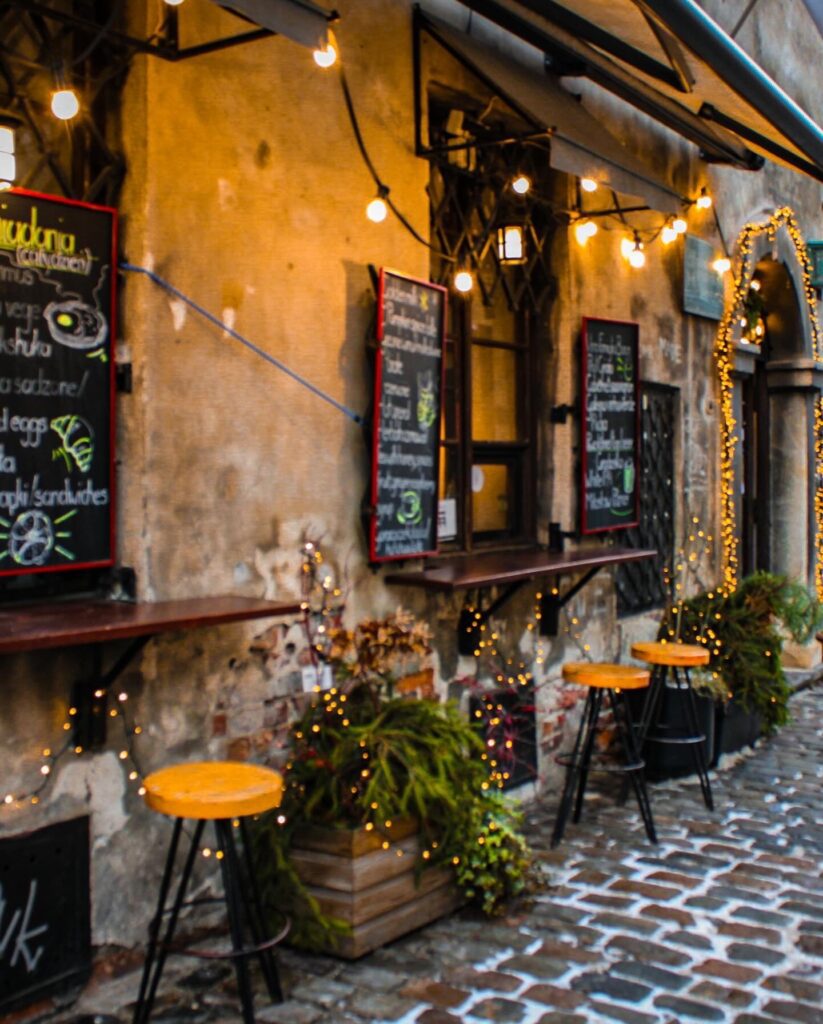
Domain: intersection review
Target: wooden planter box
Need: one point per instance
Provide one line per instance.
(375, 891)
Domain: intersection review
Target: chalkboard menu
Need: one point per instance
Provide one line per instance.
(406, 441)
(57, 263)
(610, 426)
(45, 918)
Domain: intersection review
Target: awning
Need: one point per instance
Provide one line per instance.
(578, 142)
(299, 20)
(816, 10)
(670, 59)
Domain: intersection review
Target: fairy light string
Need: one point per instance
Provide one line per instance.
(735, 316)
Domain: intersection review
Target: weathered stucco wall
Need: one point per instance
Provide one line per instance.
(246, 191)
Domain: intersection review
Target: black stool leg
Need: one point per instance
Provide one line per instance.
(651, 705)
(572, 773)
(586, 758)
(157, 951)
(637, 777)
(230, 868)
(254, 904)
(698, 749)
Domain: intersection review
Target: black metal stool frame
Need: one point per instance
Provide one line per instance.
(241, 895)
(695, 738)
(578, 762)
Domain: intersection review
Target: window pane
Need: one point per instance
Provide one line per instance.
(494, 394)
(491, 511)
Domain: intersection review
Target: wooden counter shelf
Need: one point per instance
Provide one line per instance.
(92, 623)
(511, 569)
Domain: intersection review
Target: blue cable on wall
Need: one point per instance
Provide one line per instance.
(167, 286)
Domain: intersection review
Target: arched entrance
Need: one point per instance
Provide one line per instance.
(771, 412)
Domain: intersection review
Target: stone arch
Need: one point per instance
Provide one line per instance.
(773, 254)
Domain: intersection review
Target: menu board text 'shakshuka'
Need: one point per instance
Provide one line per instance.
(609, 426)
(406, 441)
(57, 264)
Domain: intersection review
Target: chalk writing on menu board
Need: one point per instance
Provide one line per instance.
(610, 391)
(56, 311)
(406, 444)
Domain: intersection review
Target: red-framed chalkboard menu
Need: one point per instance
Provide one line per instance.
(57, 317)
(411, 325)
(610, 426)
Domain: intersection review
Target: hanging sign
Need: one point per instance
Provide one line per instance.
(702, 285)
(610, 426)
(57, 264)
(411, 318)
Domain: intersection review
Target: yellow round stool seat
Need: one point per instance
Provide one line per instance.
(207, 790)
(656, 652)
(605, 675)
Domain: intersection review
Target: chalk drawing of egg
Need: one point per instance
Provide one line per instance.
(75, 324)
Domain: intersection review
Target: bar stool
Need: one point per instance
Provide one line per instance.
(224, 792)
(670, 668)
(603, 678)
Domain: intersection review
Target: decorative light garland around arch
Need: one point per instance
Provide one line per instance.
(724, 358)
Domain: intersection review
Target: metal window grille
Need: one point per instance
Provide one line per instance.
(640, 585)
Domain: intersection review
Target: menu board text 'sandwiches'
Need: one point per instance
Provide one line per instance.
(406, 441)
(609, 426)
(57, 264)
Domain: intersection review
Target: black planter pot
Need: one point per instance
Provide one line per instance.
(672, 760)
(735, 728)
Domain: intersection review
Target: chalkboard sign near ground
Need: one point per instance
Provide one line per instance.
(57, 264)
(45, 921)
(610, 426)
(406, 441)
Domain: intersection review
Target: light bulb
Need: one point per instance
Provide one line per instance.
(680, 225)
(325, 58)
(173, 3)
(755, 285)
(722, 265)
(669, 234)
(521, 184)
(637, 258)
(704, 200)
(463, 281)
(377, 210)
(584, 230)
(626, 247)
(588, 184)
(65, 104)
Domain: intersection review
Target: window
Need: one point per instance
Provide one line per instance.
(495, 335)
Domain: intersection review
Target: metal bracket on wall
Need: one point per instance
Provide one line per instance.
(472, 618)
(89, 697)
(553, 601)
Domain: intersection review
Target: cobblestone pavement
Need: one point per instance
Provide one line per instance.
(722, 921)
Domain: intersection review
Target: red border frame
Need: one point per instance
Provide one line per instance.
(72, 567)
(378, 382)
(584, 455)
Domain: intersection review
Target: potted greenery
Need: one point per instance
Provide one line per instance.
(387, 802)
(743, 630)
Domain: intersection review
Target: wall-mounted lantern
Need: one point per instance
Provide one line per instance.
(510, 244)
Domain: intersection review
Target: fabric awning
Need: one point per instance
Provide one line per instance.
(299, 20)
(670, 59)
(579, 144)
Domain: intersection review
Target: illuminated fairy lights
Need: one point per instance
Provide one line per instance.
(724, 358)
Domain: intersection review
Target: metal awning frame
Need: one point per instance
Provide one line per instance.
(166, 43)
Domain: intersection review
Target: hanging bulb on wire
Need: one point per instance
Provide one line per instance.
(722, 265)
(327, 57)
(669, 233)
(65, 104)
(377, 210)
(704, 200)
(584, 230)
(589, 184)
(521, 184)
(464, 281)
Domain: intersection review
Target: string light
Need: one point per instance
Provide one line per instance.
(589, 185)
(584, 230)
(669, 233)
(65, 104)
(377, 210)
(704, 200)
(521, 184)
(722, 265)
(463, 281)
(724, 360)
(327, 57)
(680, 225)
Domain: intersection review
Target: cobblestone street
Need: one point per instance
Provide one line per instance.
(723, 921)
